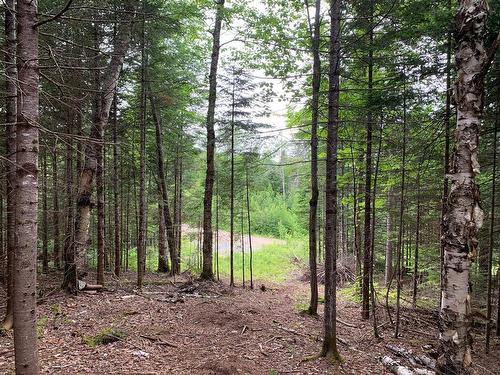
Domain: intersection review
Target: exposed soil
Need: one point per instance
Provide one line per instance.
(183, 327)
(258, 242)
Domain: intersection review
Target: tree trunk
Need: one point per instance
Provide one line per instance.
(446, 160)
(99, 147)
(417, 244)
(250, 228)
(10, 148)
(463, 217)
(207, 272)
(365, 312)
(372, 239)
(74, 263)
(57, 256)
(45, 216)
(141, 246)
(492, 234)
(313, 203)
(162, 238)
(116, 192)
(173, 248)
(26, 190)
(400, 244)
(330, 316)
(231, 209)
(217, 227)
(388, 245)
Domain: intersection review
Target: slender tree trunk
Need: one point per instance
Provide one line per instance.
(26, 190)
(179, 214)
(141, 246)
(463, 217)
(207, 272)
(217, 227)
(45, 216)
(389, 243)
(446, 160)
(68, 253)
(162, 237)
(173, 247)
(116, 191)
(250, 228)
(10, 147)
(372, 283)
(330, 316)
(365, 312)
(231, 210)
(74, 263)
(417, 244)
(242, 246)
(400, 244)
(99, 147)
(57, 256)
(313, 203)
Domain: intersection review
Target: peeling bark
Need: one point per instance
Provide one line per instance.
(463, 217)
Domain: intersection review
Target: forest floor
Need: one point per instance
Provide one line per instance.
(183, 327)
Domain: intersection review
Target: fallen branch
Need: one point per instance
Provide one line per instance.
(346, 323)
(414, 359)
(396, 368)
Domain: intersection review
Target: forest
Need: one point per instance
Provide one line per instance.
(250, 187)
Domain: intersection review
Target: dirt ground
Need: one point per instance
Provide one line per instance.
(224, 240)
(183, 327)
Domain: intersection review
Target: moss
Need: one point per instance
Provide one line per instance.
(40, 326)
(55, 308)
(104, 337)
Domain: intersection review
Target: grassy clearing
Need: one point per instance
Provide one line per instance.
(272, 263)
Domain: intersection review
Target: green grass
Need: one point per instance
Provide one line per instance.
(104, 337)
(272, 263)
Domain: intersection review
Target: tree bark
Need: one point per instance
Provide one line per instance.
(10, 148)
(365, 312)
(141, 246)
(388, 244)
(99, 148)
(26, 190)
(116, 191)
(162, 237)
(57, 256)
(417, 244)
(172, 246)
(492, 234)
(45, 216)
(313, 203)
(400, 244)
(250, 228)
(207, 272)
(231, 209)
(330, 316)
(463, 217)
(74, 263)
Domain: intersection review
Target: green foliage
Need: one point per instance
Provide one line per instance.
(41, 323)
(104, 337)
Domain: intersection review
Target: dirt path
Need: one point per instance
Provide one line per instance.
(209, 329)
(258, 242)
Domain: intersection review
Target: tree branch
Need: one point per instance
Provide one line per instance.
(491, 55)
(56, 16)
